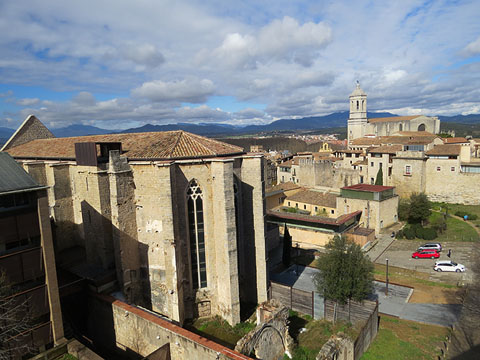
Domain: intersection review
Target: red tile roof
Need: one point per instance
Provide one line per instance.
(315, 198)
(150, 145)
(367, 187)
(314, 219)
(385, 149)
(447, 149)
(455, 140)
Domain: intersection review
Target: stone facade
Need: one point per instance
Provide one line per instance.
(359, 125)
(132, 216)
(31, 129)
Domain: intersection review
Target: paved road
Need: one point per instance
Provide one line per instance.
(396, 303)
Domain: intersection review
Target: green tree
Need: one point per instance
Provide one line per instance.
(345, 272)
(379, 178)
(419, 209)
(287, 247)
(403, 209)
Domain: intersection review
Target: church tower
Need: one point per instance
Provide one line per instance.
(357, 121)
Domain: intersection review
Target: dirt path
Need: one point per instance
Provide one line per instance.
(460, 218)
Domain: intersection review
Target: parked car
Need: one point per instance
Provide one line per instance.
(431, 246)
(430, 254)
(448, 265)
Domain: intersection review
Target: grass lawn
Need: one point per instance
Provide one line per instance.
(403, 339)
(66, 357)
(457, 230)
(453, 208)
(318, 332)
(220, 331)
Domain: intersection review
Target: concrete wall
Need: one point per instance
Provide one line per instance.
(308, 238)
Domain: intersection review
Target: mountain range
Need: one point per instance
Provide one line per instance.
(334, 120)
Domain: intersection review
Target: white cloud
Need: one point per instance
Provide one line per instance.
(28, 102)
(187, 90)
(473, 48)
(294, 58)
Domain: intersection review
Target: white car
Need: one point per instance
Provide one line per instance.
(448, 265)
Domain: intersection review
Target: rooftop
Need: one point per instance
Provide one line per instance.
(367, 188)
(385, 149)
(314, 219)
(12, 176)
(447, 149)
(315, 198)
(395, 140)
(455, 140)
(283, 187)
(151, 145)
(393, 118)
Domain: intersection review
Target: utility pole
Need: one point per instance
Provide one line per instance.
(386, 289)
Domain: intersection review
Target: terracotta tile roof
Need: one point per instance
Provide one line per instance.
(414, 133)
(393, 118)
(348, 151)
(361, 162)
(283, 186)
(313, 219)
(455, 140)
(385, 149)
(367, 187)
(447, 149)
(150, 145)
(315, 198)
(287, 163)
(393, 140)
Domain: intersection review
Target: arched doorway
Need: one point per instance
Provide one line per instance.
(421, 127)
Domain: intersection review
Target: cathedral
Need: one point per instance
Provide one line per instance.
(359, 125)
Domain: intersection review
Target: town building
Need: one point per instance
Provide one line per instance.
(378, 205)
(179, 217)
(27, 260)
(359, 125)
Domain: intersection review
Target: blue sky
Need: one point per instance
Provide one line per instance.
(117, 64)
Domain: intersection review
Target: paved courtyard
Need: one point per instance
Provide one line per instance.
(396, 303)
(399, 253)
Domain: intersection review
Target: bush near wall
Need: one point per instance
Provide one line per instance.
(463, 213)
(417, 231)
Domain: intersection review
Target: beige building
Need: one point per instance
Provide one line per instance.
(179, 216)
(378, 204)
(359, 125)
(276, 195)
(313, 202)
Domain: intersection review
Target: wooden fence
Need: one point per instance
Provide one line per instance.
(295, 299)
(365, 313)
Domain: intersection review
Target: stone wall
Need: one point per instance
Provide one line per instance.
(270, 339)
(31, 129)
(117, 326)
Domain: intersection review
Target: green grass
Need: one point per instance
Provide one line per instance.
(220, 330)
(66, 357)
(318, 332)
(457, 230)
(453, 208)
(404, 340)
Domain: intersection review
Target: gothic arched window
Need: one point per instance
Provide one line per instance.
(400, 127)
(197, 235)
(358, 104)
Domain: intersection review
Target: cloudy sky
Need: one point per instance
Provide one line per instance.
(118, 64)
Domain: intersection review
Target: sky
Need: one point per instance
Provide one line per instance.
(120, 64)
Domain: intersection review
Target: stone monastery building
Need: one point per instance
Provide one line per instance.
(359, 125)
(178, 217)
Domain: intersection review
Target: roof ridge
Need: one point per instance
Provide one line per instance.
(174, 147)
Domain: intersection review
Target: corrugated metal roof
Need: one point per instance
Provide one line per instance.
(12, 175)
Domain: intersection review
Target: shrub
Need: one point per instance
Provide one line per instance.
(463, 213)
(400, 234)
(409, 233)
(429, 234)
(419, 231)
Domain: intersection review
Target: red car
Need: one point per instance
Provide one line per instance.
(431, 254)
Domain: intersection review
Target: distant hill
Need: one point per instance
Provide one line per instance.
(462, 119)
(79, 130)
(5, 134)
(335, 120)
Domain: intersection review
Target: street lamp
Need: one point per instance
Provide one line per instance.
(386, 289)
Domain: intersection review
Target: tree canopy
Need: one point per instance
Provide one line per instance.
(379, 178)
(419, 209)
(345, 272)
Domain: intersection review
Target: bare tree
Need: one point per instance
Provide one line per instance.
(15, 320)
(465, 342)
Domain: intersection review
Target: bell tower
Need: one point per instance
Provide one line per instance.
(357, 121)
